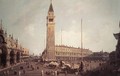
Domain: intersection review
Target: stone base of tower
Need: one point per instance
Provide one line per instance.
(49, 58)
(46, 57)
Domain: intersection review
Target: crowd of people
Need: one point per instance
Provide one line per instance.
(86, 68)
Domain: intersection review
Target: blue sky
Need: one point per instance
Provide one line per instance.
(26, 20)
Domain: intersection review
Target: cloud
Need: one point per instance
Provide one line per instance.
(30, 30)
(26, 19)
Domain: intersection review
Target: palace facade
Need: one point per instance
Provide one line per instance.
(67, 53)
(11, 52)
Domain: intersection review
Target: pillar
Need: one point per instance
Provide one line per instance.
(7, 60)
(14, 58)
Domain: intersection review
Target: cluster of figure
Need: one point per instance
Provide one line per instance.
(53, 73)
(20, 71)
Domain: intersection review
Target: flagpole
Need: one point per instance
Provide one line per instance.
(81, 42)
(61, 36)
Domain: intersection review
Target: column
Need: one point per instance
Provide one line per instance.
(7, 64)
(14, 58)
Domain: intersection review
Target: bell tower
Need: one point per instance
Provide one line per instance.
(50, 45)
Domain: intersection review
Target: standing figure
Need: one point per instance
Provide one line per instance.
(81, 67)
(19, 73)
(55, 73)
(42, 73)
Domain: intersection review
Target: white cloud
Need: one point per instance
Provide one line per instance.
(30, 30)
(100, 21)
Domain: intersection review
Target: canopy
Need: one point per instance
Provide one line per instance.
(75, 66)
(68, 65)
(53, 63)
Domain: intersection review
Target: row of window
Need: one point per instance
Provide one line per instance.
(67, 58)
(70, 54)
(71, 50)
(26, 52)
(67, 49)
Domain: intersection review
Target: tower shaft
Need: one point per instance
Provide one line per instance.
(50, 45)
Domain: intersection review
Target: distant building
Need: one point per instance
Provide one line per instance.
(99, 56)
(67, 53)
(112, 56)
(25, 53)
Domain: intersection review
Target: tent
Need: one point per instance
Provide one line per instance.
(53, 63)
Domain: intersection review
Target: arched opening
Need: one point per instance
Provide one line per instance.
(3, 57)
(12, 54)
(18, 57)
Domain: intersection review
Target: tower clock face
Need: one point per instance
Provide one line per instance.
(1, 39)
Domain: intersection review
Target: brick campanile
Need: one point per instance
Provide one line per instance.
(50, 45)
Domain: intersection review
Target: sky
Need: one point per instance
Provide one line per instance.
(26, 20)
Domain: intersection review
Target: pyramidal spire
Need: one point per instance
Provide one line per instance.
(51, 7)
(51, 1)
